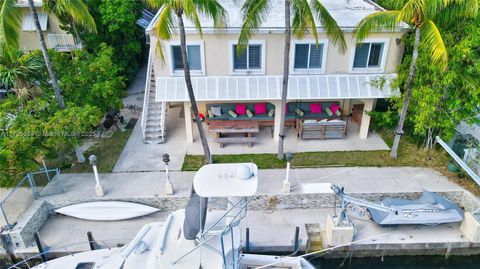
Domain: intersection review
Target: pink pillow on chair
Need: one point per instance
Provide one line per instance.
(334, 107)
(260, 108)
(316, 108)
(241, 109)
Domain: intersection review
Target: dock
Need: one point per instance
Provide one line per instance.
(272, 218)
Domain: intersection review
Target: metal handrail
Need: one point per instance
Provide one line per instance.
(228, 228)
(146, 96)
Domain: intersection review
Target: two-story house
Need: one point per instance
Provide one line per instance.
(320, 76)
(55, 37)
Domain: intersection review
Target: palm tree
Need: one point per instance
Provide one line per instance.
(19, 68)
(10, 23)
(75, 9)
(421, 16)
(304, 14)
(74, 12)
(165, 28)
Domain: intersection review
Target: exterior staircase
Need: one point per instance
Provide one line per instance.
(154, 113)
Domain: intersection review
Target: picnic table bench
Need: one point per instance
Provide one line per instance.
(246, 128)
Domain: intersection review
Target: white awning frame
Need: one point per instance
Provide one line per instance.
(301, 87)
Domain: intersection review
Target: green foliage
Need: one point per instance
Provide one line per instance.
(441, 100)
(90, 78)
(37, 127)
(116, 26)
(19, 68)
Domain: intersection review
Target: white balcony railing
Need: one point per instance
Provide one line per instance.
(63, 42)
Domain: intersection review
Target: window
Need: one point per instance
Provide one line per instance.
(368, 55)
(249, 59)
(308, 56)
(193, 57)
(29, 25)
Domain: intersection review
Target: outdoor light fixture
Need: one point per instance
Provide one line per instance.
(93, 163)
(286, 182)
(168, 185)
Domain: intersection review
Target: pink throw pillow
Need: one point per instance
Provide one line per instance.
(286, 108)
(315, 108)
(241, 109)
(260, 108)
(334, 107)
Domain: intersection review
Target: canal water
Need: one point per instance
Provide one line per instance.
(400, 262)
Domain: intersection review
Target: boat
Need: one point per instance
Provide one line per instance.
(192, 237)
(106, 210)
(430, 209)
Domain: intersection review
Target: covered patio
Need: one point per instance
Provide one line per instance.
(347, 90)
(266, 144)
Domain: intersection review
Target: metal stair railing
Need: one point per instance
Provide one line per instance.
(146, 96)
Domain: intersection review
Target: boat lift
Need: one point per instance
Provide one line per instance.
(345, 200)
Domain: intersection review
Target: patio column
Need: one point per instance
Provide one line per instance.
(364, 125)
(188, 121)
(276, 123)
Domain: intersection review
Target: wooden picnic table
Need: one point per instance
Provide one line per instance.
(247, 128)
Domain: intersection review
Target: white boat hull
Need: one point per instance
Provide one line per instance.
(106, 211)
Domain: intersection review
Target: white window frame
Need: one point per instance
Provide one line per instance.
(321, 70)
(383, 60)
(260, 71)
(180, 73)
(28, 18)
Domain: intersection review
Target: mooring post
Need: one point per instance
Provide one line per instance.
(40, 247)
(296, 240)
(247, 240)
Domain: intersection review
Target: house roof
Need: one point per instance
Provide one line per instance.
(347, 13)
(304, 87)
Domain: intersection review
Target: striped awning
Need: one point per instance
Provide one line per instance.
(313, 87)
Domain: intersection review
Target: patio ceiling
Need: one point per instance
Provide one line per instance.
(314, 87)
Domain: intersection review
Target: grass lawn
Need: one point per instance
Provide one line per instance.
(409, 155)
(107, 151)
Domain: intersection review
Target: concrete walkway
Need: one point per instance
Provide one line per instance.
(355, 180)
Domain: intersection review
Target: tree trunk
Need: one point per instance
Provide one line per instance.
(408, 95)
(46, 57)
(76, 34)
(286, 66)
(188, 82)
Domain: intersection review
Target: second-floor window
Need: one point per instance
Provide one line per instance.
(249, 59)
(308, 56)
(368, 55)
(193, 57)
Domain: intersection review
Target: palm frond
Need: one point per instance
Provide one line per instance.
(433, 41)
(78, 11)
(303, 20)
(214, 10)
(190, 11)
(157, 4)
(164, 27)
(334, 32)
(254, 13)
(10, 22)
(412, 12)
(378, 21)
(453, 10)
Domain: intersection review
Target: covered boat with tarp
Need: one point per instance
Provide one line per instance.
(429, 209)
